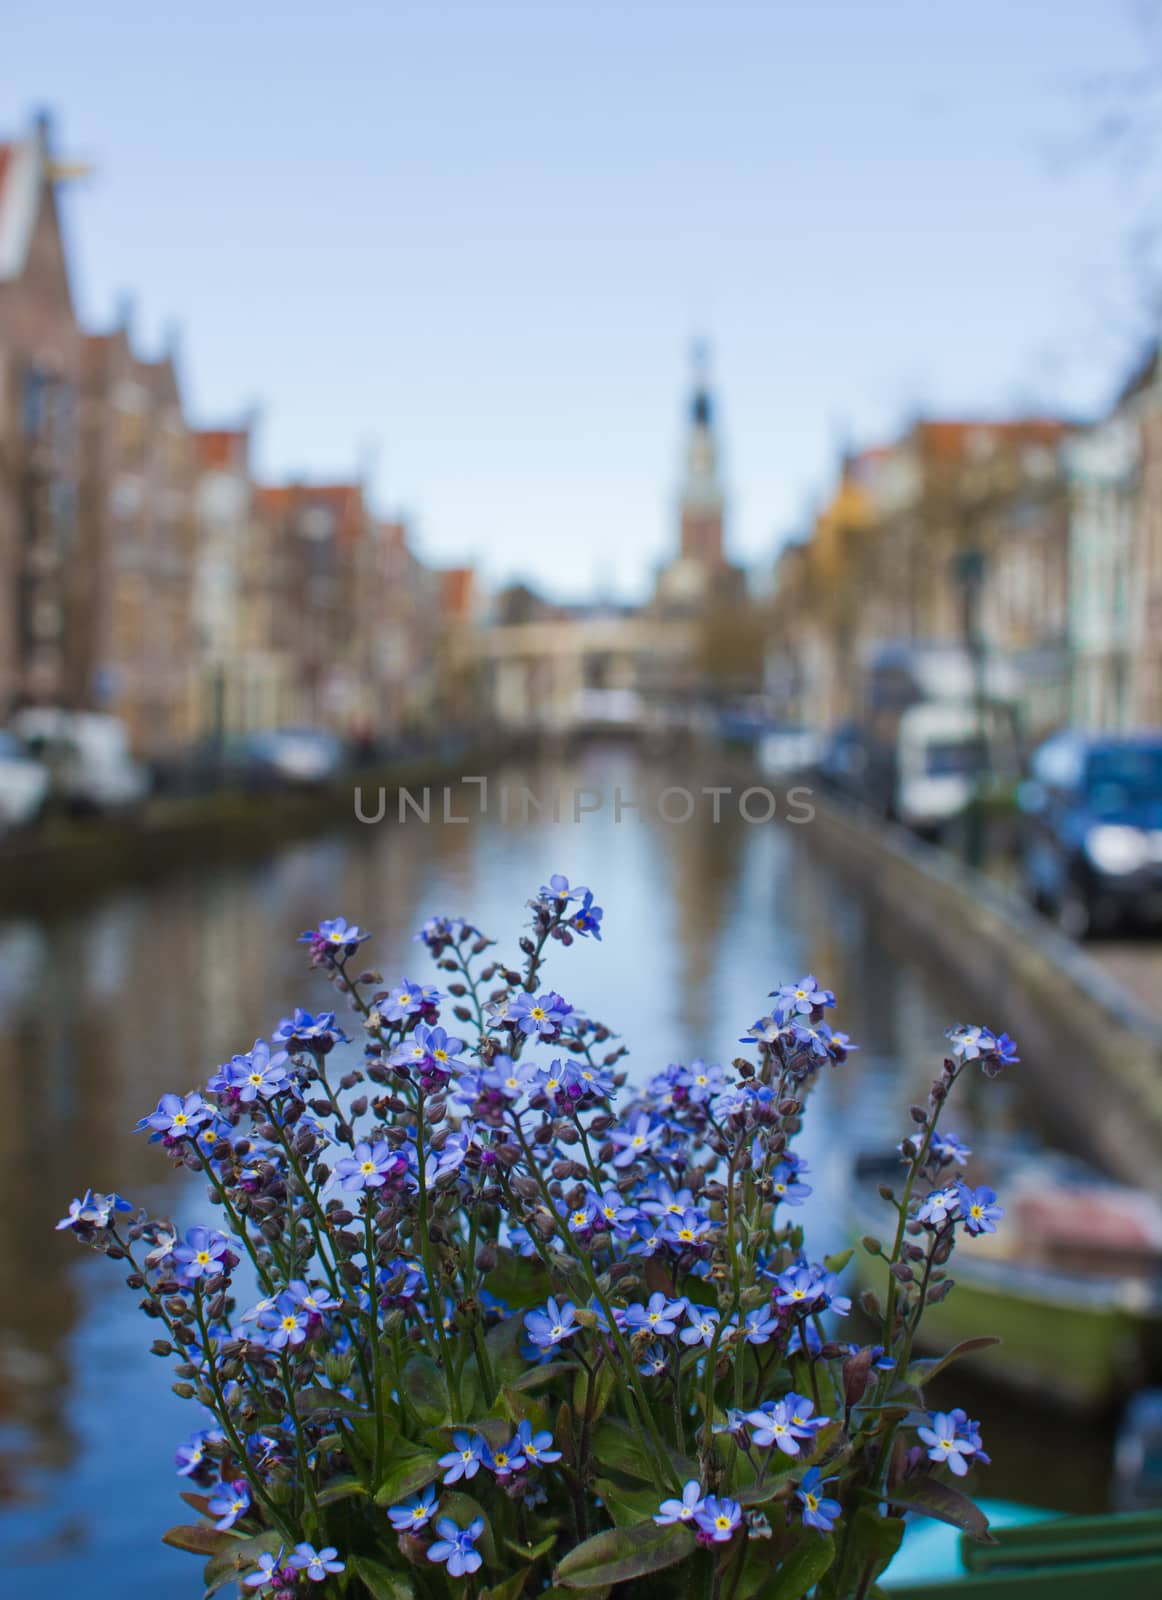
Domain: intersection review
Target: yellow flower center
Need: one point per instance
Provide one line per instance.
(812, 1503)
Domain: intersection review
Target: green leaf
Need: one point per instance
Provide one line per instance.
(922, 1372)
(626, 1507)
(532, 1552)
(199, 1502)
(407, 1477)
(604, 1382)
(760, 1494)
(502, 1342)
(509, 1589)
(380, 1581)
(868, 1546)
(423, 1383)
(620, 1554)
(620, 1448)
(538, 1377)
(318, 1398)
(344, 1487)
(802, 1567)
(241, 1555)
(518, 1280)
(197, 1539)
(934, 1499)
(839, 1260)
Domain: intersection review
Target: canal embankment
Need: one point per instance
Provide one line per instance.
(69, 859)
(1096, 1049)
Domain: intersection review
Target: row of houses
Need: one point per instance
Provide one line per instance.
(1033, 542)
(143, 569)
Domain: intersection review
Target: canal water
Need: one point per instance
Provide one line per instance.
(105, 1006)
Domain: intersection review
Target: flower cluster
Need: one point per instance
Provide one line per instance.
(471, 1300)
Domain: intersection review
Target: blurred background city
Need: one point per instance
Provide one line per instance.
(657, 399)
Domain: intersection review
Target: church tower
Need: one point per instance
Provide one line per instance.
(702, 499)
(699, 575)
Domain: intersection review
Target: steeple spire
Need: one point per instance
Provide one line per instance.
(700, 410)
(701, 537)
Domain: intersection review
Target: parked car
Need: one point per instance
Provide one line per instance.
(1138, 1454)
(843, 762)
(87, 756)
(1091, 848)
(299, 756)
(24, 784)
(787, 750)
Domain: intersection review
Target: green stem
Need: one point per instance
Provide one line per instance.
(222, 1411)
(376, 1396)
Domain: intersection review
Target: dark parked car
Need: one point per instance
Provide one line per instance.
(1092, 835)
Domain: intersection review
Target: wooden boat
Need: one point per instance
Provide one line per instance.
(1071, 1282)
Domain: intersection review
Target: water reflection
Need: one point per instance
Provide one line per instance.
(103, 1009)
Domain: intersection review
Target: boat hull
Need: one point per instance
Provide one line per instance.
(1085, 1355)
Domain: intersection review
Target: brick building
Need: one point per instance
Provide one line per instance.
(136, 628)
(954, 514)
(40, 371)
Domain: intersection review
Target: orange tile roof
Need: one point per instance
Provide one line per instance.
(221, 447)
(345, 500)
(950, 439)
(456, 585)
(273, 499)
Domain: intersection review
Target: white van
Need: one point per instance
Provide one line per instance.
(87, 756)
(24, 784)
(941, 758)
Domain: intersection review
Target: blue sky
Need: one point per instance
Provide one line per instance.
(467, 246)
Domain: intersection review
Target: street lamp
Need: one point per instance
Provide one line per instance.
(970, 572)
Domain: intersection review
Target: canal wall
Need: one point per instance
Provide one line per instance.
(1089, 1043)
(70, 859)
